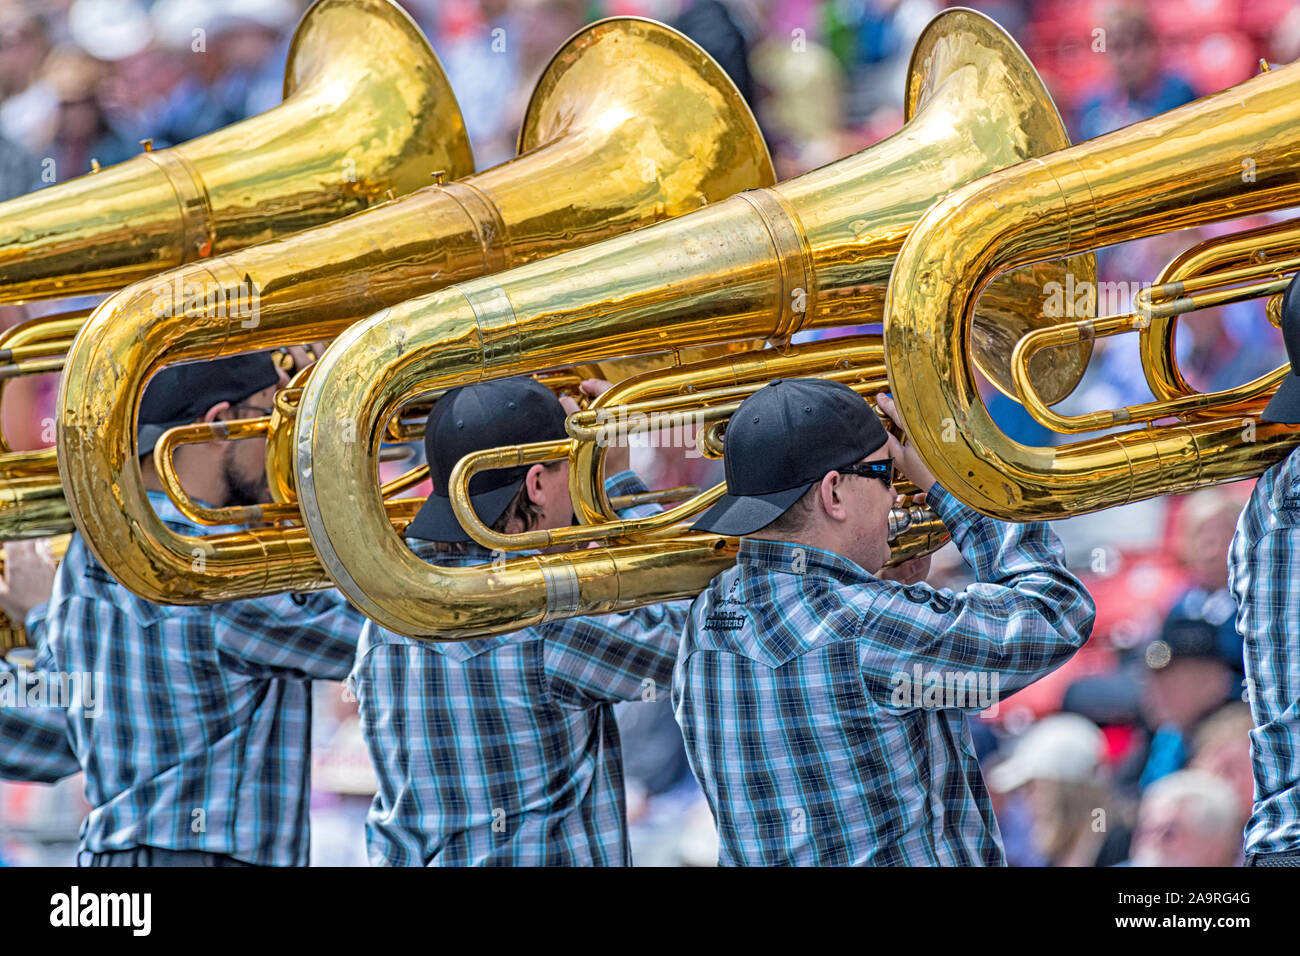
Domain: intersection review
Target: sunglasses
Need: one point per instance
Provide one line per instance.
(882, 468)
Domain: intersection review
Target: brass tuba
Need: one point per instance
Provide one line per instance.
(630, 124)
(1180, 169)
(813, 252)
(367, 113)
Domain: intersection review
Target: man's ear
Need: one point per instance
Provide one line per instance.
(831, 497)
(213, 413)
(533, 482)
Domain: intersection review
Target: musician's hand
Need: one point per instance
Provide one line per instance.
(908, 461)
(619, 456)
(28, 578)
(909, 572)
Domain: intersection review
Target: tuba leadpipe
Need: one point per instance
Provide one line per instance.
(1208, 275)
(630, 124)
(812, 252)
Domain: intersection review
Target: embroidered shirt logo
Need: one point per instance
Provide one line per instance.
(724, 621)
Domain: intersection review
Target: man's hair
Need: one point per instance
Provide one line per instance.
(796, 517)
(521, 508)
(1231, 723)
(1209, 800)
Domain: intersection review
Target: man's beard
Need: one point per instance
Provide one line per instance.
(242, 491)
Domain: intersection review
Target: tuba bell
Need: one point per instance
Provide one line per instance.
(630, 124)
(814, 252)
(367, 112)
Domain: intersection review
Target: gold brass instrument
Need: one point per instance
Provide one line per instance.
(812, 252)
(1236, 268)
(630, 124)
(366, 110)
(367, 113)
(31, 497)
(1133, 183)
(13, 634)
(703, 394)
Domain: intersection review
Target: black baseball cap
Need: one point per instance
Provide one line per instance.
(1285, 404)
(182, 394)
(510, 411)
(1187, 635)
(781, 441)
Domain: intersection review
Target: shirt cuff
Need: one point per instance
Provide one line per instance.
(626, 482)
(955, 515)
(35, 617)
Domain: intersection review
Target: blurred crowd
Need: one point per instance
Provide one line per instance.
(1137, 751)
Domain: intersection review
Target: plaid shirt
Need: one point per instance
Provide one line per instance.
(34, 741)
(1263, 571)
(504, 750)
(203, 736)
(824, 709)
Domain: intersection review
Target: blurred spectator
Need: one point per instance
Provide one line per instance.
(1189, 818)
(478, 46)
(1222, 747)
(709, 24)
(82, 132)
(803, 88)
(1208, 520)
(18, 171)
(1072, 819)
(654, 756)
(1189, 676)
(1138, 87)
(27, 105)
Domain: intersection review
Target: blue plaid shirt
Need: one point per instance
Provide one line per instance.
(504, 750)
(34, 741)
(202, 739)
(824, 709)
(1264, 574)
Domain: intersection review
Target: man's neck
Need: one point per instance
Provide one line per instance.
(199, 475)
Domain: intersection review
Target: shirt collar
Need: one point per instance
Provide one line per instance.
(473, 553)
(167, 511)
(763, 554)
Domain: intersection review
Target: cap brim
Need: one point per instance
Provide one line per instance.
(744, 514)
(435, 521)
(149, 434)
(1009, 775)
(1284, 407)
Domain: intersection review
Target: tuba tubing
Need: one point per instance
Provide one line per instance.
(812, 252)
(367, 112)
(1135, 182)
(631, 123)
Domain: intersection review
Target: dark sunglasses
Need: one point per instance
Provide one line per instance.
(882, 468)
